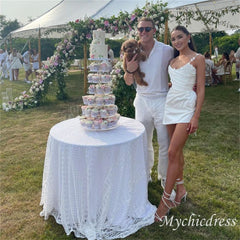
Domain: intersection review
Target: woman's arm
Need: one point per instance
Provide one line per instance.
(200, 79)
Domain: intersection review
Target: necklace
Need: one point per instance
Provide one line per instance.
(147, 51)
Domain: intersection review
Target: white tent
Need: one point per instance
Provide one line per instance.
(70, 10)
(228, 21)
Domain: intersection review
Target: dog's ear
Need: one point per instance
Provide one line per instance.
(123, 48)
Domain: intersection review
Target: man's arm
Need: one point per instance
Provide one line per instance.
(130, 69)
(129, 79)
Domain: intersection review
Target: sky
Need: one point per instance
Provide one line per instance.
(23, 10)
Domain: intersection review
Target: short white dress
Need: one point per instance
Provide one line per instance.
(15, 62)
(181, 98)
(35, 63)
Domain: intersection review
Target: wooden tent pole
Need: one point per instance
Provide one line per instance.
(10, 41)
(39, 48)
(210, 43)
(166, 32)
(85, 67)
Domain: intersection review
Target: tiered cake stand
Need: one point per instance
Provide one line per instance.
(99, 112)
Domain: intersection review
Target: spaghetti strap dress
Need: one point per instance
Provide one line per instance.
(181, 98)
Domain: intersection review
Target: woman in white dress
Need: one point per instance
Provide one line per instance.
(15, 63)
(35, 62)
(223, 64)
(182, 111)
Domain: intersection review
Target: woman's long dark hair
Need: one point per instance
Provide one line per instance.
(190, 44)
(226, 56)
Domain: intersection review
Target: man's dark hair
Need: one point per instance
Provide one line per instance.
(147, 19)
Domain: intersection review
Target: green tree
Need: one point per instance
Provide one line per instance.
(7, 26)
(227, 43)
(201, 40)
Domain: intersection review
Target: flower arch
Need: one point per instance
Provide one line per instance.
(56, 66)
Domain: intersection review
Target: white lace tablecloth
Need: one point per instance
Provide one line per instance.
(95, 183)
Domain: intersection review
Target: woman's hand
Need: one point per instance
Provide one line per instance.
(192, 126)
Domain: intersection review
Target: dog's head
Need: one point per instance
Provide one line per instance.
(130, 47)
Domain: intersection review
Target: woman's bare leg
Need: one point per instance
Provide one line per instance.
(178, 135)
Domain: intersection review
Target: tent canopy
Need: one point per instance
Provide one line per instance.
(69, 10)
(228, 21)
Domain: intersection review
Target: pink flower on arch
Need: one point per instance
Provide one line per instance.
(132, 17)
(77, 21)
(106, 23)
(88, 36)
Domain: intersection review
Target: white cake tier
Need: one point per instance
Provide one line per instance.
(98, 37)
(100, 66)
(98, 100)
(100, 123)
(99, 111)
(98, 51)
(99, 89)
(99, 78)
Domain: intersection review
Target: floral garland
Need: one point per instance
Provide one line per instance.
(124, 23)
(57, 65)
(124, 94)
(186, 15)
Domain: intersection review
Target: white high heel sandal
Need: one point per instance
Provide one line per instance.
(167, 197)
(184, 197)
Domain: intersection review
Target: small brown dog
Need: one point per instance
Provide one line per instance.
(130, 48)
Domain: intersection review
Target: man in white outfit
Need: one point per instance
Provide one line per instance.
(150, 100)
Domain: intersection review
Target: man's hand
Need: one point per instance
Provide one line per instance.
(129, 79)
(132, 65)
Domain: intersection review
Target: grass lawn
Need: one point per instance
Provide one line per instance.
(211, 168)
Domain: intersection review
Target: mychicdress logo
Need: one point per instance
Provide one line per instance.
(196, 221)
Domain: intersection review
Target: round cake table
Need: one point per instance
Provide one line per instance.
(95, 183)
